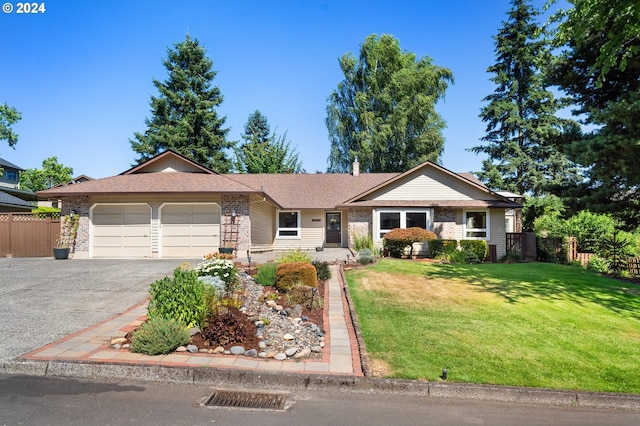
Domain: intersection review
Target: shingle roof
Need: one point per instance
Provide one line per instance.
(5, 163)
(11, 201)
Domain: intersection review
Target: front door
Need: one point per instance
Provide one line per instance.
(334, 236)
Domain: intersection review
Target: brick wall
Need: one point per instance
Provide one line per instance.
(360, 223)
(444, 223)
(239, 203)
(80, 205)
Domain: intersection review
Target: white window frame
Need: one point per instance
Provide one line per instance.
(403, 219)
(297, 229)
(486, 230)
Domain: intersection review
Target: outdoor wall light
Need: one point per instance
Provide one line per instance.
(72, 213)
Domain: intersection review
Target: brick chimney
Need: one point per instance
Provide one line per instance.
(356, 167)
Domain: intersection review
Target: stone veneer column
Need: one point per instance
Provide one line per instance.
(444, 223)
(80, 205)
(359, 223)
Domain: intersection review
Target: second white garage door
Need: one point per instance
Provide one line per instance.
(189, 230)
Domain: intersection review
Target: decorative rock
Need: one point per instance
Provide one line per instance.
(192, 349)
(284, 313)
(305, 352)
(262, 345)
(194, 330)
(237, 350)
(117, 346)
(321, 344)
(126, 346)
(181, 349)
(291, 351)
(316, 348)
(118, 340)
(262, 355)
(280, 356)
(251, 353)
(227, 352)
(288, 337)
(296, 311)
(305, 318)
(278, 308)
(259, 323)
(218, 350)
(271, 303)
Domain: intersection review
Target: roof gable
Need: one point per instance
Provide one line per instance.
(6, 164)
(168, 162)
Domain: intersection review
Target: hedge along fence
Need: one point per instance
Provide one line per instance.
(469, 250)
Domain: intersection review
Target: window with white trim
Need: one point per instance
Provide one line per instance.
(408, 218)
(288, 224)
(476, 224)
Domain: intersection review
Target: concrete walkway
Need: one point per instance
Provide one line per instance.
(340, 354)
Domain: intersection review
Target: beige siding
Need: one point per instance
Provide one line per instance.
(430, 184)
(498, 236)
(171, 164)
(312, 234)
(262, 215)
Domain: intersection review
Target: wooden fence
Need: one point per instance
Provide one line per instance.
(523, 243)
(28, 234)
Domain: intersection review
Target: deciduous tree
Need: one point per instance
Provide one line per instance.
(8, 117)
(383, 112)
(52, 173)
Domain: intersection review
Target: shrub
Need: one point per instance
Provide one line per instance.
(222, 268)
(598, 264)
(437, 248)
(266, 275)
(475, 250)
(322, 269)
(305, 296)
(159, 336)
(397, 239)
(294, 256)
(365, 256)
(291, 274)
(361, 241)
(180, 298)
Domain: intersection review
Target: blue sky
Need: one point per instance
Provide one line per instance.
(81, 73)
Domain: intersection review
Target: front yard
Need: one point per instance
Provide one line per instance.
(526, 324)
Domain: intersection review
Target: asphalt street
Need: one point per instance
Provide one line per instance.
(66, 401)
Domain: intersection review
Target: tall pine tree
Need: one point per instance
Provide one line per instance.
(184, 116)
(265, 153)
(521, 113)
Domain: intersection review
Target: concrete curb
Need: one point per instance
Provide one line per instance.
(204, 376)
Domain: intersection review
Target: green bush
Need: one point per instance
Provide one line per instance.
(305, 296)
(159, 336)
(361, 241)
(397, 239)
(224, 269)
(294, 256)
(598, 264)
(475, 250)
(266, 275)
(365, 256)
(322, 269)
(180, 298)
(292, 274)
(438, 248)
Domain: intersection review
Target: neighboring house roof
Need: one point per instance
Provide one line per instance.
(172, 173)
(5, 163)
(8, 200)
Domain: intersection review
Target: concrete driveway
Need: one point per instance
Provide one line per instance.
(43, 300)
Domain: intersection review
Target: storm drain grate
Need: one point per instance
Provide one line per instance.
(235, 399)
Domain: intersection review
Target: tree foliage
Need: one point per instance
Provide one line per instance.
(52, 173)
(383, 112)
(8, 117)
(599, 70)
(184, 116)
(263, 152)
(522, 125)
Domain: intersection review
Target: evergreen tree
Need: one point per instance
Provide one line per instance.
(383, 112)
(599, 70)
(184, 117)
(264, 153)
(522, 125)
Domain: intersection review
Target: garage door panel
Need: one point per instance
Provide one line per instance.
(189, 230)
(121, 230)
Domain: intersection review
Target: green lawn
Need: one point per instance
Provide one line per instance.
(528, 324)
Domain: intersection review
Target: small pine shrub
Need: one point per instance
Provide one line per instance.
(291, 274)
(159, 336)
(295, 256)
(322, 269)
(365, 256)
(180, 298)
(266, 275)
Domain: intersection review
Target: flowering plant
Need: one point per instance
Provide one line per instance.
(221, 268)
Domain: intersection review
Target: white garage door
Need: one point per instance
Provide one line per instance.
(189, 230)
(121, 230)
